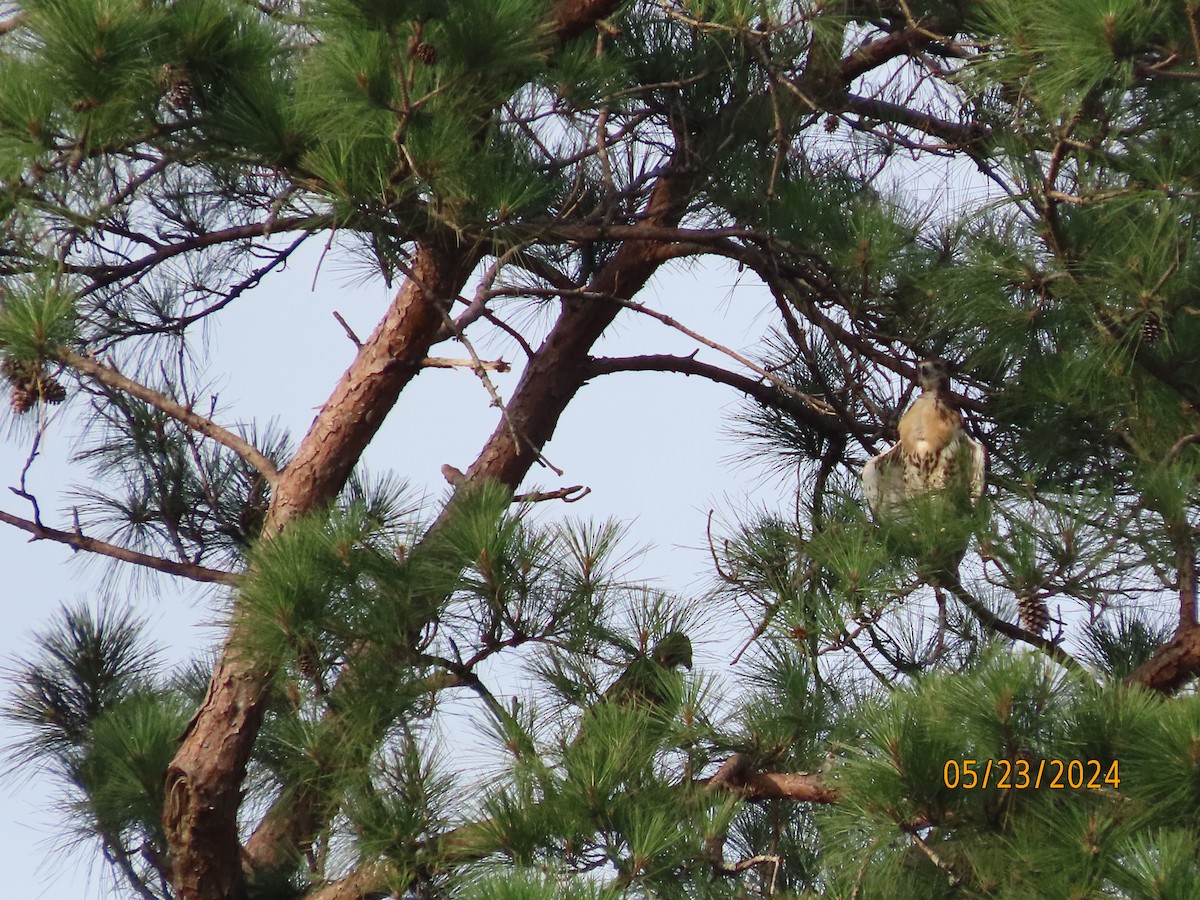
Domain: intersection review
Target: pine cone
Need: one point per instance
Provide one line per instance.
(831, 124)
(52, 390)
(1033, 613)
(1152, 328)
(22, 397)
(177, 87)
(23, 377)
(425, 52)
(14, 370)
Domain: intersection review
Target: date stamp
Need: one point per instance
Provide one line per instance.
(1023, 774)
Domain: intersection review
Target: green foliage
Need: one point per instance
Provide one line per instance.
(328, 582)
(129, 748)
(36, 321)
(1117, 648)
(98, 48)
(531, 886)
(1034, 841)
(174, 490)
(96, 713)
(85, 665)
(160, 158)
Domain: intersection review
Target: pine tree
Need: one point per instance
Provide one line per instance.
(161, 158)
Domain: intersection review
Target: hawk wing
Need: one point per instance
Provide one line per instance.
(883, 481)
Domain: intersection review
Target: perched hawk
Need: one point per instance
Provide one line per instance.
(650, 690)
(653, 680)
(934, 453)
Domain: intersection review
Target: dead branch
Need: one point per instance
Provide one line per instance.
(491, 365)
(354, 338)
(572, 494)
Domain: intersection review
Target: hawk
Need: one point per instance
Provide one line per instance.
(934, 452)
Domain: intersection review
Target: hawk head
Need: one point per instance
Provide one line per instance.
(933, 374)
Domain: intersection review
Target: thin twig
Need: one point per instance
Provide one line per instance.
(497, 401)
(354, 338)
(1178, 447)
(441, 362)
(572, 494)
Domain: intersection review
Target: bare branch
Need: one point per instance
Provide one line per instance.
(441, 362)
(765, 393)
(107, 275)
(354, 338)
(572, 494)
(1179, 445)
(739, 776)
(94, 545)
(819, 406)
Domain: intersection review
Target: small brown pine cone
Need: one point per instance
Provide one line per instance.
(306, 662)
(425, 52)
(1033, 614)
(1152, 328)
(179, 97)
(177, 87)
(52, 390)
(831, 124)
(22, 398)
(14, 370)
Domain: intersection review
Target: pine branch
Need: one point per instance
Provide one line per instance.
(110, 377)
(94, 545)
(766, 393)
(106, 275)
(993, 622)
(473, 841)
(740, 777)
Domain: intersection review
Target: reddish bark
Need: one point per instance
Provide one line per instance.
(204, 780)
(571, 18)
(562, 365)
(737, 775)
(1175, 663)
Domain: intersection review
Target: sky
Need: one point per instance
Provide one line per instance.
(655, 449)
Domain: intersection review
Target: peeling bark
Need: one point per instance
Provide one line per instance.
(204, 780)
(562, 365)
(1175, 663)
